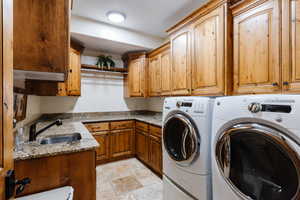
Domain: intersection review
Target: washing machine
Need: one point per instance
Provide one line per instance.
(186, 148)
(256, 148)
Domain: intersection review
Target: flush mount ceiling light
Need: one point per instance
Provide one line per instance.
(115, 16)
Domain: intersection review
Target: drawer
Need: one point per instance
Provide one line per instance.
(96, 127)
(100, 133)
(142, 126)
(155, 131)
(121, 125)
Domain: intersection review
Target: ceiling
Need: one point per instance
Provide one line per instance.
(107, 46)
(150, 17)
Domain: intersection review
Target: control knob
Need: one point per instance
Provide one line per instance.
(179, 104)
(254, 107)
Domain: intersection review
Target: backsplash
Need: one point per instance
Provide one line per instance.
(155, 104)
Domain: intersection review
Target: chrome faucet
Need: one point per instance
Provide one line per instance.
(33, 133)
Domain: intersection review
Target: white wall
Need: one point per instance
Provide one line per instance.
(99, 93)
(33, 110)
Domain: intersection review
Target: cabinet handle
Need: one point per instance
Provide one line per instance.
(285, 83)
(71, 70)
(275, 84)
(6, 105)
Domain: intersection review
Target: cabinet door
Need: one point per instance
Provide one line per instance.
(102, 152)
(165, 73)
(154, 76)
(256, 49)
(142, 145)
(134, 78)
(208, 54)
(291, 46)
(41, 35)
(122, 143)
(74, 74)
(155, 154)
(180, 47)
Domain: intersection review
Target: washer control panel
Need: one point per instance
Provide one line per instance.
(196, 106)
(180, 104)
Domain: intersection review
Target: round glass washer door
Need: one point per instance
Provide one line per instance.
(258, 163)
(181, 139)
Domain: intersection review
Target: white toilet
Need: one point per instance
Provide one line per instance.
(63, 193)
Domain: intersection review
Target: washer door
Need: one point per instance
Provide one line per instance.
(181, 139)
(258, 163)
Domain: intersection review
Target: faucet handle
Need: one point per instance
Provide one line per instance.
(14, 123)
(59, 122)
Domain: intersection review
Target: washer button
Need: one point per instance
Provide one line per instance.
(199, 108)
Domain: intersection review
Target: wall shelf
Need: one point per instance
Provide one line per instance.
(95, 69)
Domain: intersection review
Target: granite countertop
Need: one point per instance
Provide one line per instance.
(36, 150)
(75, 124)
(150, 119)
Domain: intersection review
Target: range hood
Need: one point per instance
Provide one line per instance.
(34, 75)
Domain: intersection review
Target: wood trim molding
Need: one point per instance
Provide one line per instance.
(203, 10)
(159, 50)
(245, 5)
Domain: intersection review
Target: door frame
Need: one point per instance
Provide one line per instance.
(6, 92)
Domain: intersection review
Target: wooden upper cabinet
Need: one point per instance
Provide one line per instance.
(181, 69)
(135, 82)
(70, 87)
(165, 60)
(291, 46)
(257, 47)
(74, 74)
(135, 68)
(41, 35)
(208, 53)
(154, 71)
(159, 71)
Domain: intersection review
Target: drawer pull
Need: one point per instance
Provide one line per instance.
(285, 83)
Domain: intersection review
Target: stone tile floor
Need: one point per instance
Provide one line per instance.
(127, 180)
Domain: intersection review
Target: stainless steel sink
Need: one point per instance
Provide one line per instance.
(54, 139)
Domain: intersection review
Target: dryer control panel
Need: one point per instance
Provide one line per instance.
(258, 107)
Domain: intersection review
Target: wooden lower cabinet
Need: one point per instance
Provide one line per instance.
(122, 143)
(76, 169)
(102, 152)
(116, 139)
(149, 148)
(124, 139)
(155, 154)
(142, 150)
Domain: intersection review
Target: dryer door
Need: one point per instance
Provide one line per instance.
(258, 162)
(181, 139)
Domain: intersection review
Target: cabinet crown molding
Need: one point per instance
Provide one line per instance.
(159, 50)
(203, 10)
